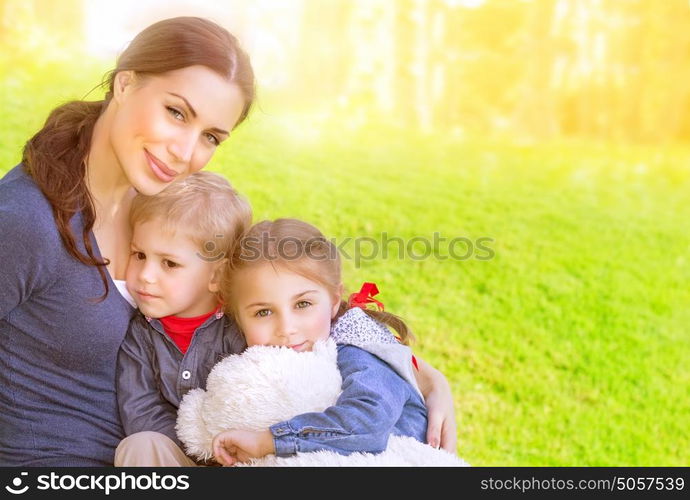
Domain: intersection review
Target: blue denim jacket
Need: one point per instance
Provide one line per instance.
(375, 403)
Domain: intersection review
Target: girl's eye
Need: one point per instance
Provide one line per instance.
(139, 255)
(175, 113)
(302, 304)
(212, 139)
(170, 264)
(261, 313)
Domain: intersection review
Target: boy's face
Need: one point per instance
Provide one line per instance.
(279, 307)
(166, 276)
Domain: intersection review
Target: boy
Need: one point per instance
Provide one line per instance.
(181, 238)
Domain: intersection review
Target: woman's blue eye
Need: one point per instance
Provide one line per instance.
(175, 113)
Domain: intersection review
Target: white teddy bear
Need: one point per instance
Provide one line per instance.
(266, 385)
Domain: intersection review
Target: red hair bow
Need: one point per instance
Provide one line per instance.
(365, 296)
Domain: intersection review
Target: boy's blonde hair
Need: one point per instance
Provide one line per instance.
(204, 207)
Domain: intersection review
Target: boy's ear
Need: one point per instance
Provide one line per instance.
(336, 300)
(214, 283)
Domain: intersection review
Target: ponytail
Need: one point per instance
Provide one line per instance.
(56, 160)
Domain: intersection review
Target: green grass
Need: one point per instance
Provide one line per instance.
(568, 347)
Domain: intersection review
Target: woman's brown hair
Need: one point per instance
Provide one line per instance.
(56, 156)
(301, 248)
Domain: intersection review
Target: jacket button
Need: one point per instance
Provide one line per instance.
(186, 375)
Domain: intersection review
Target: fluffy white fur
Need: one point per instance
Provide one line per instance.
(266, 385)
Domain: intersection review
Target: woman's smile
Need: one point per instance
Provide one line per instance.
(160, 169)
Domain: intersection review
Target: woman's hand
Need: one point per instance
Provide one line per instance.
(234, 446)
(438, 397)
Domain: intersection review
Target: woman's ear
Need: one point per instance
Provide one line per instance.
(214, 283)
(124, 81)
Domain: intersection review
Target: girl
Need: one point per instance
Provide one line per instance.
(283, 287)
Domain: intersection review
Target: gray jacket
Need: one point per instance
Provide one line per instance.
(153, 375)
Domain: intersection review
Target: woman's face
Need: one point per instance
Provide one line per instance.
(165, 127)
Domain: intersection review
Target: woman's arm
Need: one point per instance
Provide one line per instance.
(28, 252)
(439, 402)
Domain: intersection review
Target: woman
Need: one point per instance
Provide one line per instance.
(178, 90)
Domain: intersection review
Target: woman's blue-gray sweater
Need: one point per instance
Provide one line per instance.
(58, 343)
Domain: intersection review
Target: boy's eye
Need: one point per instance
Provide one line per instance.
(262, 313)
(212, 139)
(139, 255)
(170, 264)
(302, 304)
(175, 113)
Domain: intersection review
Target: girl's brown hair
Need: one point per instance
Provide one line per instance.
(56, 156)
(301, 248)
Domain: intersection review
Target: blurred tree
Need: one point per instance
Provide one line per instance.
(535, 110)
(535, 69)
(31, 28)
(325, 52)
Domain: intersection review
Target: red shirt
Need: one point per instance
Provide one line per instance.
(181, 330)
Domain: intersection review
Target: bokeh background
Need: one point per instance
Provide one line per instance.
(557, 129)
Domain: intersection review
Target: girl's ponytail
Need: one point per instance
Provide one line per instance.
(395, 322)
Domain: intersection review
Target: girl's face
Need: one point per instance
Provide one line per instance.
(165, 127)
(279, 307)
